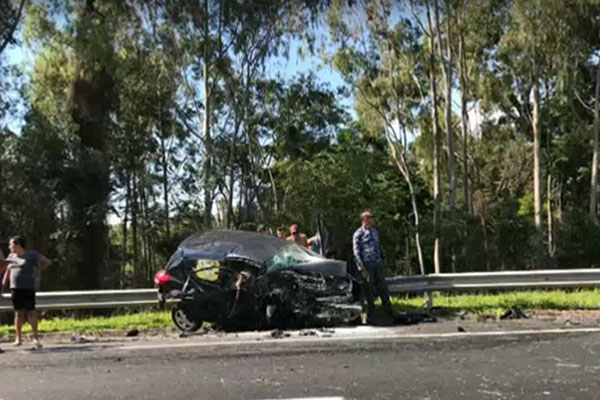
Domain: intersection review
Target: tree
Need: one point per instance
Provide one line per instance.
(447, 71)
(537, 40)
(9, 20)
(92, 99)
(596, 135)
(388, 89)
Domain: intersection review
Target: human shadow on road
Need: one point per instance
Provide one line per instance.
(59, 349)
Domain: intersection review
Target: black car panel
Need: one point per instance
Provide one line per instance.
(244, 279)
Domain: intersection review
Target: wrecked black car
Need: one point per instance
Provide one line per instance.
(245, 280)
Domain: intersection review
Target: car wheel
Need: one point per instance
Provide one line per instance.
(183, 322)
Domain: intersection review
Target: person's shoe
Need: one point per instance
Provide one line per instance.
(17, 342)
(37, 344)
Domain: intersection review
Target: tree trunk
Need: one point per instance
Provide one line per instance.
(464, 92)
(8, 33)
(486, 247)
(145, 231)
(447, 70)
(401, 164)
(134, 229)
(559, 207)
(241, 196)
(550, 216)
(230, 196)
(125, 221)
(206, 127)
(165, 184)
(437, 192)
(231, 187)
(594, 182)
(537, 155)
(400, 160)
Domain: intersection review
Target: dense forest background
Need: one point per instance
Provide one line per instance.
(470, 128)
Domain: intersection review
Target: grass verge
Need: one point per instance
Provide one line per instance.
(141, 320)
(497, 303)
(445, 304)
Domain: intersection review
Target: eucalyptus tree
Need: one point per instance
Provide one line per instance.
(261, 37)
(226, 45)
(596, 146)
(201, 36)
(447, 68)
(146, 141)
(76, 85)
(476, 32)
(535, 50)
(422, 14)
(9, 20)
(387, 72)
(533, 44)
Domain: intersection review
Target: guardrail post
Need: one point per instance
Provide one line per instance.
(429, 301)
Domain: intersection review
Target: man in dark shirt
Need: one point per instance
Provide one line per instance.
(369, 256)
(23, 270)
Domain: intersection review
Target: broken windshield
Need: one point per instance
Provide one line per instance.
(291, 255)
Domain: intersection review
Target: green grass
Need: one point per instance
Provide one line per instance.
(494, 303)
(445, 304)
(142, 320)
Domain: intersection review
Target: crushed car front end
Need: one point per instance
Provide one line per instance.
(242, 280)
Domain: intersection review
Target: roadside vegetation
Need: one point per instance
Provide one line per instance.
(471, 129)
(94, 325)
(497, 304)
(446, 305)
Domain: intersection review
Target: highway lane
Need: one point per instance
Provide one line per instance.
(374, 365)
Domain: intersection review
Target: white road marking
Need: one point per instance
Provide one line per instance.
(308, 398)
(568, 365)
(384, 334)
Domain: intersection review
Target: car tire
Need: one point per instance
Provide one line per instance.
(183, 322)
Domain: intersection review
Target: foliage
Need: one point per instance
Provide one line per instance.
(167, 117)
(141, 320)
(500, 302)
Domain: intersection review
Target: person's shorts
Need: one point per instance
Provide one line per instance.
(23, 299)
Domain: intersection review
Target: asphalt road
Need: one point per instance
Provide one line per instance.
(370, 366)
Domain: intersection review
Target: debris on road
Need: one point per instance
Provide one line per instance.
(83, 339)
(514, 313)
(279, 334)
(414, 318)
(307, 333)
(132, 332)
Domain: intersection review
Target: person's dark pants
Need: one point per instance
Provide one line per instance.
(376, 286)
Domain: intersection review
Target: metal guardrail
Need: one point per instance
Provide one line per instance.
(88, 299)
(506, 280)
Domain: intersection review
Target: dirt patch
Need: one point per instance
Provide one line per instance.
(569, 317)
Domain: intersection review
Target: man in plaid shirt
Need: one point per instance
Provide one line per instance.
(369, 256)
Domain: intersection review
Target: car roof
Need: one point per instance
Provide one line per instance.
(222, 244)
